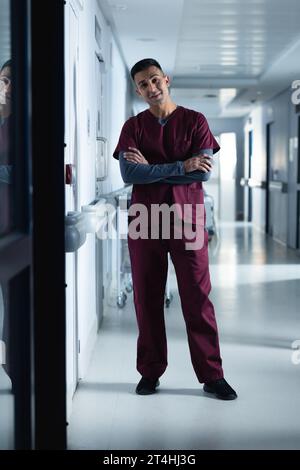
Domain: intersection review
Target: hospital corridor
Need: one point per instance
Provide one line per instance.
(251, 280)
(149, 227)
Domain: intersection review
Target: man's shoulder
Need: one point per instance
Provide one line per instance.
(192, 113)
(193, 117)
(133, 121)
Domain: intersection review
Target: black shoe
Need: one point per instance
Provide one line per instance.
(221, 389)
(146, 386)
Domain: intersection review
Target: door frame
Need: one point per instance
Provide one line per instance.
(47, 60)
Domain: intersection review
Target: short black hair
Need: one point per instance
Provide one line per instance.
(6, 64)
(143, 65)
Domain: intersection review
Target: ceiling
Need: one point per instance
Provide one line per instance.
(224, 56)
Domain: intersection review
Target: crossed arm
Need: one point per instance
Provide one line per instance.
(135, 169)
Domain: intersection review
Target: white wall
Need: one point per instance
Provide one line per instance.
(115, 112)
(87, 319)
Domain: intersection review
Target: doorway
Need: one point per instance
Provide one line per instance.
(298, 222)
(228, 158)
(268, 226)
(250, 154)
(298, 191)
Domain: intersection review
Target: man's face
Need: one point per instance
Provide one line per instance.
(5, 89)
(152, 85)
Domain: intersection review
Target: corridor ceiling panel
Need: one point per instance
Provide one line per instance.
(250, 46)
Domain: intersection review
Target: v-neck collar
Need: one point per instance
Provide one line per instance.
(163, 121)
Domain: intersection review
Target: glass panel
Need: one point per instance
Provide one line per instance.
(7, 404)
(5, 119)
(6, 390)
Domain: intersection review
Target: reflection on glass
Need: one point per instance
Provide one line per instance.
(6, 390)
(7, 404)
(5, 164)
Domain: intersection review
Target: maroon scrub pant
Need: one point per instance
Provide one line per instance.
(149, 262)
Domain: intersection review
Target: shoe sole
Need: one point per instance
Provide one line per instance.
(148, 392)
(229, 397)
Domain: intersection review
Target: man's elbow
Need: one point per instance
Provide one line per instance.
(128, 172)
(124, 177)
(205, 176)
(127, 179)
(130, 178)
(127, 176)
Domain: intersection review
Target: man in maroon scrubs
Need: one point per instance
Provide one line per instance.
(5, 189)
(165, 152)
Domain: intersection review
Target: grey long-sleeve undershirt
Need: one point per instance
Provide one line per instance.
(5, 173)
(172, 173)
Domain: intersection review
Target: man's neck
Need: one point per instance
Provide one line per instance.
(163, 110)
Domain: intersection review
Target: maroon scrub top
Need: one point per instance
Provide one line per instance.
(184, 134)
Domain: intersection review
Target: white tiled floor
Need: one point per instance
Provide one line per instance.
(256, 292)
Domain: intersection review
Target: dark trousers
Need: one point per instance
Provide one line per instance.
(149, 262)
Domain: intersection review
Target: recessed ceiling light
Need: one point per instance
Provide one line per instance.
(227, 72)
(228, 31)
(119, 6)
(229, 60)
(228, 46)
(146, 39)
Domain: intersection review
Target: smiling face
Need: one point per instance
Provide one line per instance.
(5, 91)
(152, 85)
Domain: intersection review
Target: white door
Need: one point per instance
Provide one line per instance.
(101, 141)
(71, 194)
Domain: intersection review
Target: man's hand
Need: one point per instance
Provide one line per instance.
(202, 162)
(135, 156)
